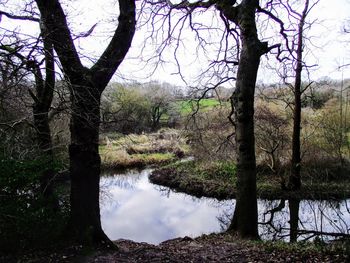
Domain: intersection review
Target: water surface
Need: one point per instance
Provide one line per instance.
(133, 208)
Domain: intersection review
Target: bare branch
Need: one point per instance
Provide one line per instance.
(19, 17)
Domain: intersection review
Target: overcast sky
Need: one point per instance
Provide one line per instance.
(333, 48)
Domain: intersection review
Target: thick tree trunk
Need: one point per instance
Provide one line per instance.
(243, 99)
(245, 220)
(86, 88)
(85, 224)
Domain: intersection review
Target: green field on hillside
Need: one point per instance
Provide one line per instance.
(188, 106)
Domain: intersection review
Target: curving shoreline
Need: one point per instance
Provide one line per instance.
(184, 178)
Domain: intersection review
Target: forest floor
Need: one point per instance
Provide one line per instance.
(208, 248)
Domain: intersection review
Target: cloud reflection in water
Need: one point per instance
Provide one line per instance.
(132, 208)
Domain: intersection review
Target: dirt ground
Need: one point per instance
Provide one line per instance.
(212, 248)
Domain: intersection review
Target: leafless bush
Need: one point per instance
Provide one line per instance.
(210, 134)
(271, 136)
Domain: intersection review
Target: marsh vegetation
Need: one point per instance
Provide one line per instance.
(224, 151)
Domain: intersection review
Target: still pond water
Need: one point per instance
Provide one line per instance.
(133, 208)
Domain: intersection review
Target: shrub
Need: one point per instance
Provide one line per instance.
(26, 219)
(328, 129)
(271, 136)
(210, 134)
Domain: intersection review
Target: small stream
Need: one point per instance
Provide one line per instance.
(133, 208)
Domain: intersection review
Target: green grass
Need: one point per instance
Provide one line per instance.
(218, 179)
(186, 107)
(218, 171)
(317, 246)
(221, 171)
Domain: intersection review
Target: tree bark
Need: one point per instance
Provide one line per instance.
(85, 224)
(243, 100)
(44, 94)
(242, 14)
(86, 88)
(41, 124)
(295, 177)
(294, 219)
(245, 219)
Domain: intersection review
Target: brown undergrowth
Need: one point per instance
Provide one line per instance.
(135, 150)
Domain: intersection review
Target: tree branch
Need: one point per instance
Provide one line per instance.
(16, 17)
(54, 19)
(114, 54)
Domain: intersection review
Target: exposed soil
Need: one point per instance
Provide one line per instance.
(212, 248)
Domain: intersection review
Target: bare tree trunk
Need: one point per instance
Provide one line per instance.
(86, 88)
(295, 178)
(41, 124)
(85, 165)
(242, 15)
(245, 220)
(243, 100)
(42, 99)
(41, 118)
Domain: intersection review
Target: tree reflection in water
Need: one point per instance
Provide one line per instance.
(304, 219)
(134, 208)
